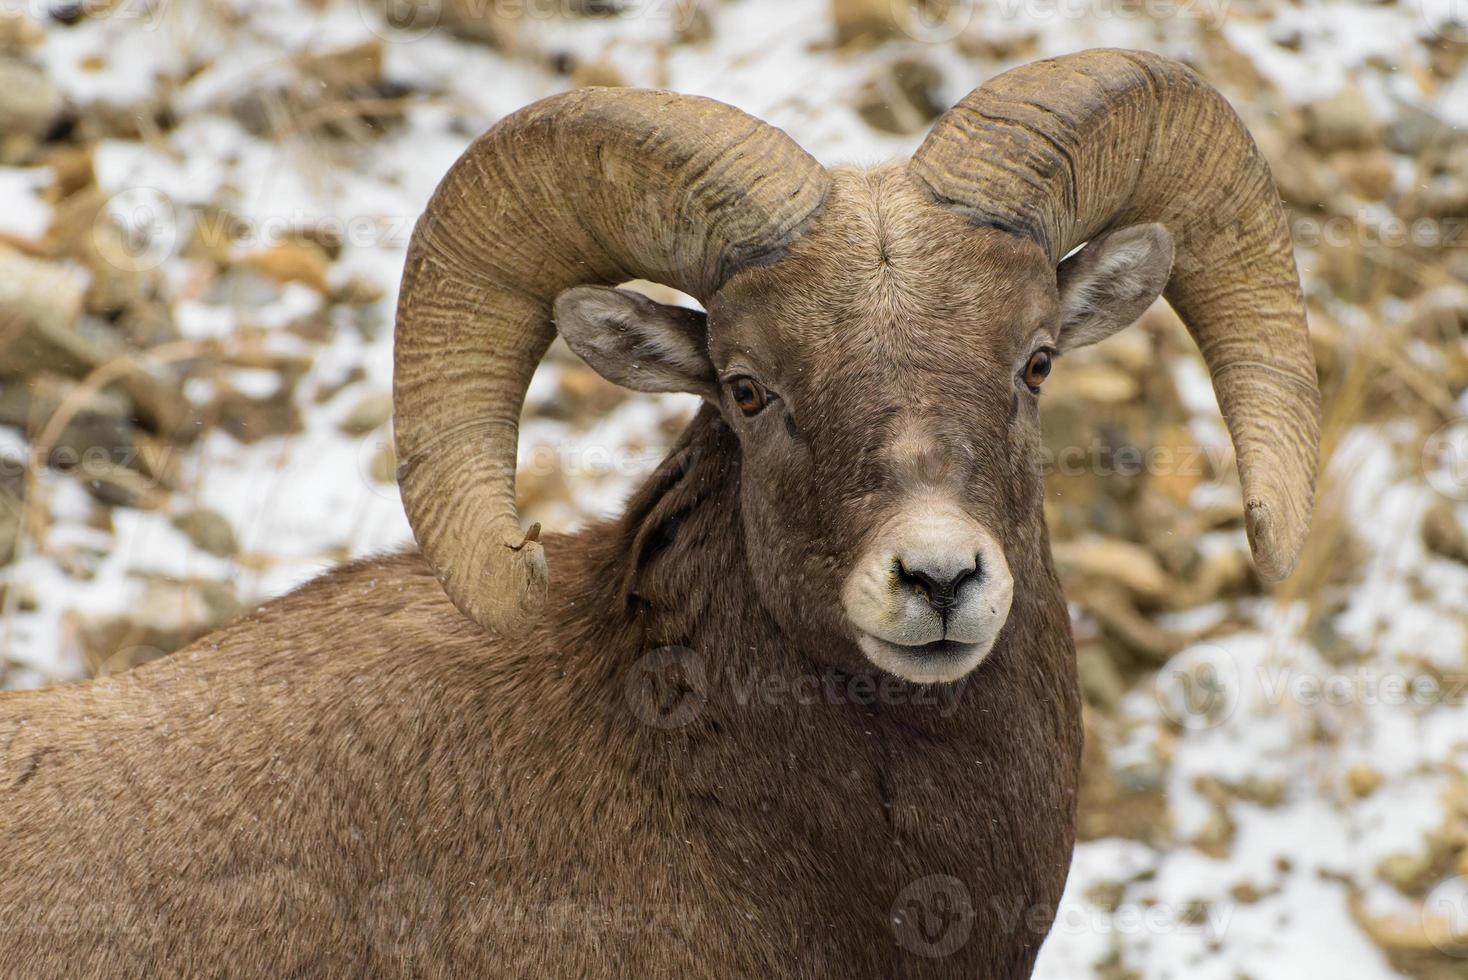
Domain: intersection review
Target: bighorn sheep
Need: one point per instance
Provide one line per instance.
(808, 708)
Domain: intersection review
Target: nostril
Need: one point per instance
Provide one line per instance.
(938, 585)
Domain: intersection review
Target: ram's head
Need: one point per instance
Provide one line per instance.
(876, 339)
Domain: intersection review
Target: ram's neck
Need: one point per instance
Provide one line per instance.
(672, 567)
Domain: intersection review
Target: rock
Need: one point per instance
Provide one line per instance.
(117, 486)
(1101, 682)
(18, 33)
(472, 20)
(383, 467)
(1113, 804)
(1442, 196)
(369, 414)
(1129, 565)
(30, 104)
(1017, 44)
(900, 97)
(581, 394)
(596, 73)
(1405, 872)
(120, 239)
(251, 419)
(1440, 316)
(166, 615)
(866, 22)
(1345, 121)
(1416, 128)
(42, 330)
(1369, 175)
(100, 427)
(40, 306)
(1363, 780)
(358, 290)
(1120, 621)
(12, 515)
(338, 91)
(326, 390)
(1443, 533)
(210, 532)
(695, 25)
(148, 324)
(1303, 180)
(1216, 839)
(1217, 575)
(291, 262)
(1427, 943)
(341, 70)
(1093, 384)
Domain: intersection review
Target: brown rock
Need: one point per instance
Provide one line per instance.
(12, 519)
(383, 467)
(167, 614)
(340, 70)
(100, 426)
(596, 73)
(209, 530)
(899, 97)
(369, 414)
(472, 20)
(1363, 780)
(865, 22)
(1120, 621)
(40, 306)
(1443, 533)
(252, 419)
(1109, 559)
(1370, 174)
(1301, 176)
(292, 262)
(1405, 872)
(117, 486)
(1101, 682)
(29, 103)
(1344, 121)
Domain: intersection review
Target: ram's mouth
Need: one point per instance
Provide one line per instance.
(939, 662)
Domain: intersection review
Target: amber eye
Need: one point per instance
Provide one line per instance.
(749, 395)
(1038, 369)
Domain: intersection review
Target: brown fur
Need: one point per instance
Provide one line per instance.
(684, 770)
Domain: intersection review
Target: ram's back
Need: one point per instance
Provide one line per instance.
(229, 805)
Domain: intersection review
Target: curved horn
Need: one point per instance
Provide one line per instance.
(594, 186)
(1061, 150)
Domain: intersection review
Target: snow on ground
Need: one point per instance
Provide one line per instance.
(1298, 889)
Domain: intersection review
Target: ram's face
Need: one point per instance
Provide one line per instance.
(884, 382)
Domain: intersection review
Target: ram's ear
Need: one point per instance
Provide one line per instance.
(1108, 284)
(635, 342)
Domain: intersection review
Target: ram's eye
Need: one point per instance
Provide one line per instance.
(1038, 368)
(749, 395)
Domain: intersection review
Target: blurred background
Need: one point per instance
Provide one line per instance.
(204, 208)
